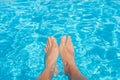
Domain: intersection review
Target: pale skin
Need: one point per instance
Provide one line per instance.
(66, 50)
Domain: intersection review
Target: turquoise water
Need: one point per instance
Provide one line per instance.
(94, 26)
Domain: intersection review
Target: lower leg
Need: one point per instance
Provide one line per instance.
(74, 73)
(46, 75)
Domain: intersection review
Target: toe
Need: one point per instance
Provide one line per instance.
(69, 41)
(45, 50)
(54, 42)
(63, 41)
(49, 42)
(47, 45)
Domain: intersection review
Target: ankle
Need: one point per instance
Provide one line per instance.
(68, 67)
(52, 70)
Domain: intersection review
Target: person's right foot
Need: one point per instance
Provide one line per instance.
(67, 52)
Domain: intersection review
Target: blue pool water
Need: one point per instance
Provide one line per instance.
(94, 26)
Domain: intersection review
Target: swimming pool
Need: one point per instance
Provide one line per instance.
(94, 26)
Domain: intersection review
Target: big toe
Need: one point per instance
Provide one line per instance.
(54, 42)
(69, 41)
(63, 41)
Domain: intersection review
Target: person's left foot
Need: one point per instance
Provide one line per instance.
(52, 53)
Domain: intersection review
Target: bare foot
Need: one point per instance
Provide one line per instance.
(67, 52)
(52, 54)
